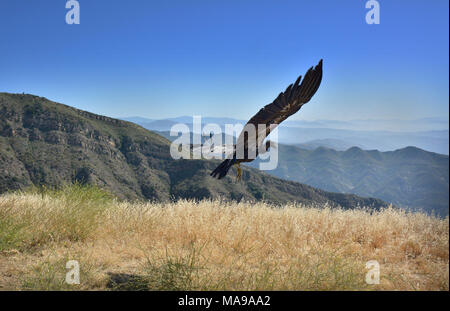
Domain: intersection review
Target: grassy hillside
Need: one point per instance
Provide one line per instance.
(212, 245)
(408, 177)
(46, 143)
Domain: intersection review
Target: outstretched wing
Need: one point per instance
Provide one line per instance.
(288, 102)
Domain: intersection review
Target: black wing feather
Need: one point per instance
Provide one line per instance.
(291, 100)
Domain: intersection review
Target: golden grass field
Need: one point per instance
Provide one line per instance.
(212, 245)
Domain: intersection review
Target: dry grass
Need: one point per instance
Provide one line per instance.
(213, 245)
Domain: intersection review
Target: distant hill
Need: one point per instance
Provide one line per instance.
(395, 125)
(46, 143)
(157, 125)
(335, 144)
(409, 177)
(417, 125)
(182, 119)
(430, 134)
(434, 141)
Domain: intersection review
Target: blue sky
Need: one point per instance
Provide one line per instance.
(229, 58)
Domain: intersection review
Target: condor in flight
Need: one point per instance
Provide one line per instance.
(285, 105)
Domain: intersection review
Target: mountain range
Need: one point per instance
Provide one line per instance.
(409, 177)
(47, 143)
(430, 134)
(395, 125)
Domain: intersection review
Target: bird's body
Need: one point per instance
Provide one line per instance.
(250, 142)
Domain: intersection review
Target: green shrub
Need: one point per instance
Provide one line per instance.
(70, 213)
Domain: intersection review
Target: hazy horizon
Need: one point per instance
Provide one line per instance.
(293, 119)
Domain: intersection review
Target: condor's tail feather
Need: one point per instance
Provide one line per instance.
(223, 168)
